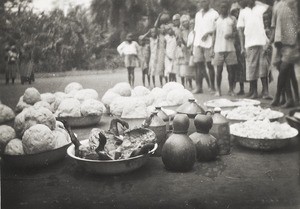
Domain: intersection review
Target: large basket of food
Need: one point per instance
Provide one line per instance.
(113, 152)
(36, 160)
(263, 135)
(250, 112)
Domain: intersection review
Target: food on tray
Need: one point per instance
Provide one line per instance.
(21, 105)
(48, 97)
(69, 107)
(40, 115)
(85, 94)
(14, 147)
(230, 103)
(179, 96)
(123, 89)
(31, 96)
(91, 107)
(252, 112)
(38, 138)
(172, 86)
(263, 129)
(7, 133)
(109, 145)
(74, 86)
(140, 98)
(6, 113)
(139, 91)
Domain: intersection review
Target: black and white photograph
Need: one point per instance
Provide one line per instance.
(149, 104)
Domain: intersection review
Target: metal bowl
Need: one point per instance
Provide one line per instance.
(293, 121)
(263, 144)
(211, 105)
(35, 160)
(110, 167)
(81, 121)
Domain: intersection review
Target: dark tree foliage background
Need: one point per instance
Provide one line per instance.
(82, 38)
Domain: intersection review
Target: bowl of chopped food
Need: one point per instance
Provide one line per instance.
(263, 134)
(112, 152)
(251, 112)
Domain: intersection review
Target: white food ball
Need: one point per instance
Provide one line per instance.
(140, 91)
(40, 115)
(69, 107)
(20, 122)
(43, 104)
(179, 96)
(14, 147)
(109, 96)
(59, 97)
(48, 97)
(73, 86)
(123, 89)
(61, 137)
(6, 113)
(91, 107)
(38, 138)
(7, 133)
(21, 105)
(172, 86)
(159, 95)
(86, 94)
(117, 105)
(135, 109)
(31, 96)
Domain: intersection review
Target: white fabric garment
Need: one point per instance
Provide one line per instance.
(224, 26)
(126, 48)
(204, 22)
(252, 22)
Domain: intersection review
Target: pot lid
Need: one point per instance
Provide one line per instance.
(190, 108)
(162, 114)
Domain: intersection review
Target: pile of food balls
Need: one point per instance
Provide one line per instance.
(125, 102)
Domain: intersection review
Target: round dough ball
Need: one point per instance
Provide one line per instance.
(91, 107)
(38, 138)
(69, 108)
(19, 123)
(59, 97)
(6, 113)
(86, 94)
(21, 105)
(48, 97)
(14, 147)
(31, 96)
(39, 115)
(7, 133)
(73, 86)
(172, 86)
(123, 89)
(109, 96)
(43, 104)
(140, 91)
(179, 96)
(61, 137)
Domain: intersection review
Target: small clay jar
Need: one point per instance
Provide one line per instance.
(206, 144)
(179, 152)
(162, 115)
(191, 108)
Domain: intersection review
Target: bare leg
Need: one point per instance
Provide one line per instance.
(153, 80)
(294, 83)
(161, 80)
(211, 71)
(183, 81)
(219, 79)
(230, 80)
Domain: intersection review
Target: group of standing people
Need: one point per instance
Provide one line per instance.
(19, 61)
(248, 38)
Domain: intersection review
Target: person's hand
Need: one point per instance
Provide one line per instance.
(243, 52)
(212, 53)
(229, 36)
(205, 36)
(278, 45)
